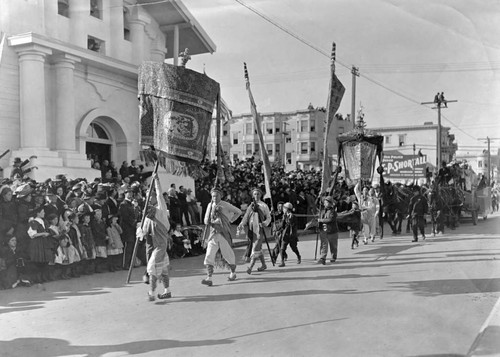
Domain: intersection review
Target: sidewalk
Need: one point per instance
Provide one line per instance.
(487, 342)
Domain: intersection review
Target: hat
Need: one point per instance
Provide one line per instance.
(4, 188)
(17, 160)
(23, 190)
(100, 195)
(288, 205)
(8, 237)
(328, 198)
(83, 210)
(215, 189)
(78, 186)
(96, 207)
(60, 177)
(51, 216)
(415, 188)
(258, 190)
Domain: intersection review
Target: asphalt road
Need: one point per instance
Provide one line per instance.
(388, 298)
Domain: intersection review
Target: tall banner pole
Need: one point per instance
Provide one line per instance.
(335, 94)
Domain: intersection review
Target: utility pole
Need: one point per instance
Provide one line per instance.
(439, 101)
(490, 170)
(355, 73)
(414, 162)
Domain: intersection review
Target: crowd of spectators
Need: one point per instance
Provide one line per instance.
(63, 228)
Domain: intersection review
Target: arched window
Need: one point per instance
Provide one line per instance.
(96, 131)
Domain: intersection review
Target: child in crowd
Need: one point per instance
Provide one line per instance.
(87, 241)
(115, 245)
(178, 248)
(100, 238)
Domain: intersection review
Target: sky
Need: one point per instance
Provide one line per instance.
(406, 52)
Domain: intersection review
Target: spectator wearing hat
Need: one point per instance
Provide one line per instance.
(115, 244)
(15, 264)
(87, 239)
(183, 205)
(110, 206)
(328, 231)
(256, 217)
(174, 205)
(98, 225)
(60, 258)
(76, 192)
(192, 206)
(75, 237)
(204, 198)
(20, 168)
(124, 170)
(288, 232)
(24, 213)
(128, 221)
(417, 209)
(51, 204)
(8, 211)
(41, 249)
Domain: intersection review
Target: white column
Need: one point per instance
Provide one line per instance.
(79, 11)
(116, 28)
(137, 37)
(32, 97)
(65, 102)
(176, 45)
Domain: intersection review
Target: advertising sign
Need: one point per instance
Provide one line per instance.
(400, 167)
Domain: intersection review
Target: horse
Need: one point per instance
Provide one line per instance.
(395, 199)
(445, 206)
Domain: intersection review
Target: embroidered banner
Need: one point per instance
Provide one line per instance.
(176, 114)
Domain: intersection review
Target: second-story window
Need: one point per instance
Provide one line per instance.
(269, 148)
(248, 149)
(313, 147)
(235, 138)
(269, 128)
(95, 44)
(63, 8)
(248, 128)
(312, 126)
(303, 148)
(303, 126)
(402, 139)
(96, 8)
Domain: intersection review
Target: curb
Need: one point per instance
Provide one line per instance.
(487, 342)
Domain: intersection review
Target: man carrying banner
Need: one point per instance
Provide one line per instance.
(219, 216)
(155, 230)
(256, 217)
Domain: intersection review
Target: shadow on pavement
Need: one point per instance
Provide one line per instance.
(47, 347)
(450, 287)
(260, 295)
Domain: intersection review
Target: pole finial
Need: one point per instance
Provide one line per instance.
(334, 49)
(246, 71)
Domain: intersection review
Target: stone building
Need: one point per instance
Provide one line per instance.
(68, 70)
(424, 137)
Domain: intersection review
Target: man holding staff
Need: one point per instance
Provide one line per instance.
(218, 218)
(256, 217)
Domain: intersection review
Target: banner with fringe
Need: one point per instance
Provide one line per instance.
(176, 107)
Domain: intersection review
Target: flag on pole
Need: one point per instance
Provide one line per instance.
(335, 95)
(265, 159)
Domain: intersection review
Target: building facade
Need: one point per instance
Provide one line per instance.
(482, 161)
(68, 70)
(423, 138)
(293, 139)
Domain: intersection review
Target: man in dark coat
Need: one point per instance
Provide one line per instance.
(417, 210)
(128, 221)
(183, 205)
(289, 233)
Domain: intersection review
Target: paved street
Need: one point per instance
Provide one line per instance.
(388, 298)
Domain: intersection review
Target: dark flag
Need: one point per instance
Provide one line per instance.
(335, 95)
